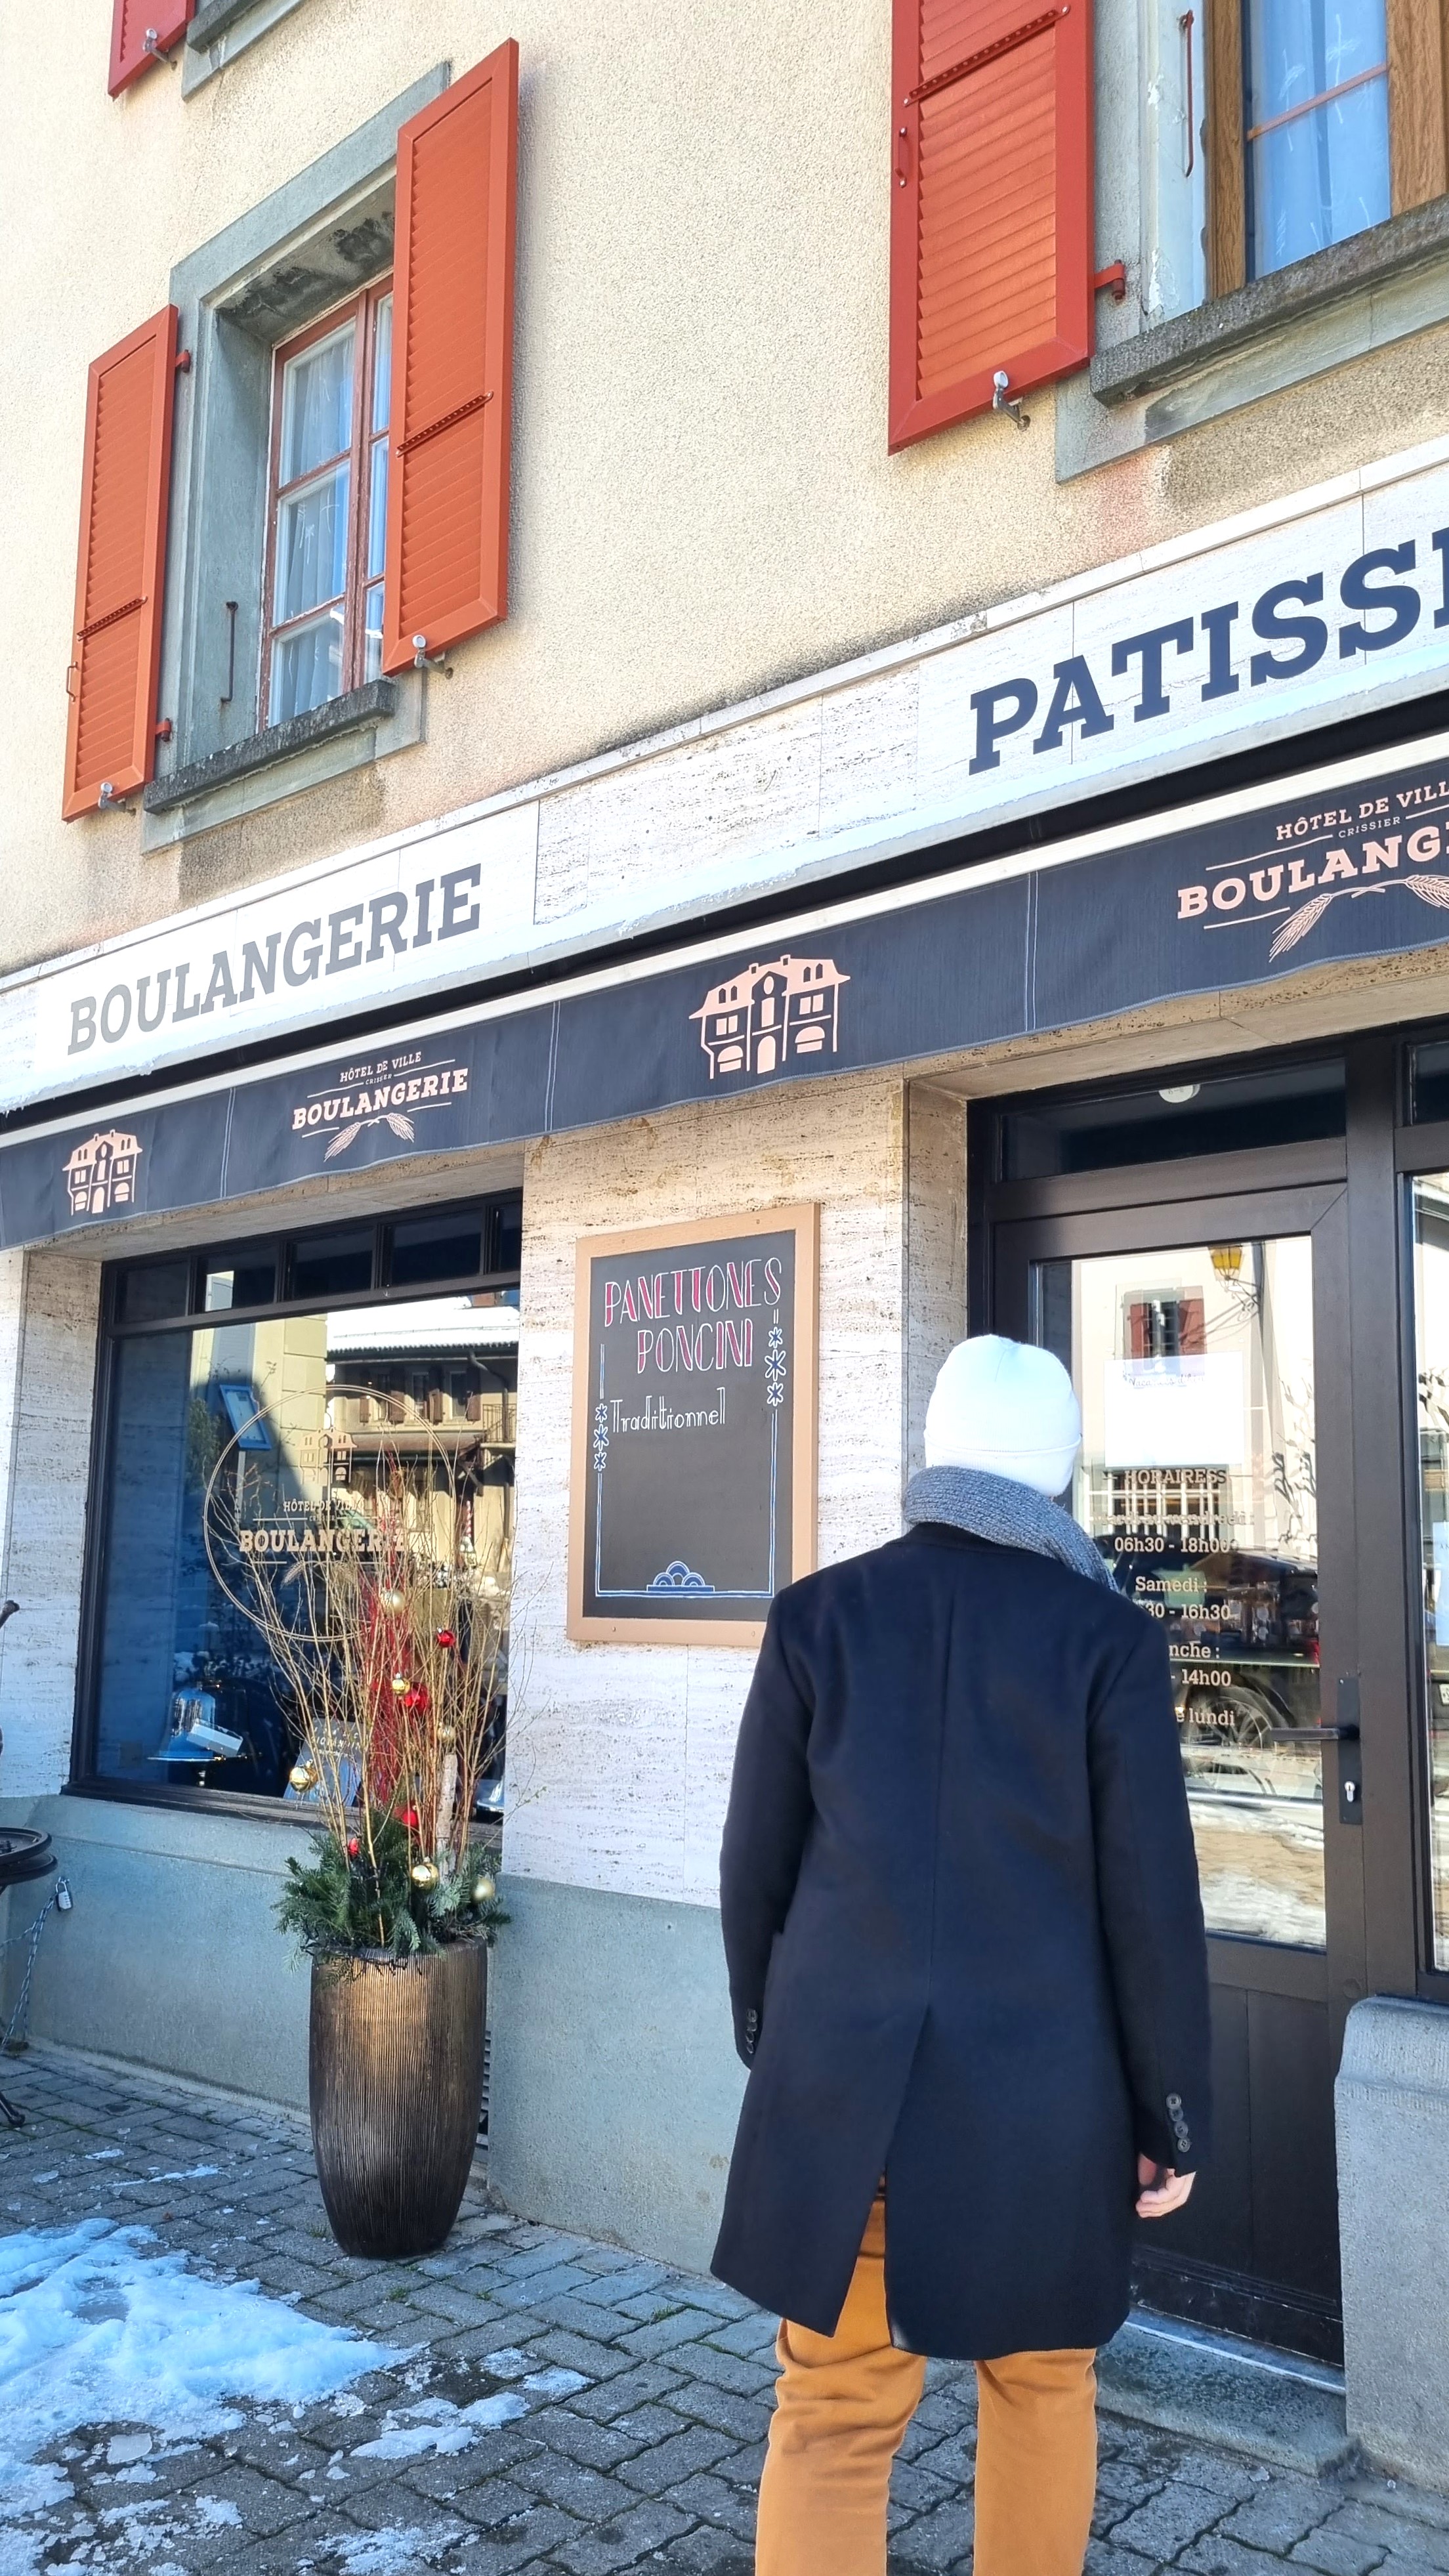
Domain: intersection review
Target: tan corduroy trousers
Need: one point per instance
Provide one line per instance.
(842, 2406)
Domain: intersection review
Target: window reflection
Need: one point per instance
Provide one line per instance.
(1198, 1482)
(288, 1435)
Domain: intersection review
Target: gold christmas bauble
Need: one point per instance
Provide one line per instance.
(425, 1873)
(391, 1600)
(399, 1683)
(484, 1890)
(302, 1776)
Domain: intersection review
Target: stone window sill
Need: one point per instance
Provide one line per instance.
(222, 29)
(1170, 351)
(286, 759)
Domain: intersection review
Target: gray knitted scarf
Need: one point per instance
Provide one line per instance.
(996, 1507)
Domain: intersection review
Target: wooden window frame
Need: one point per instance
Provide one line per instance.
(1418, 84)
(361, 310)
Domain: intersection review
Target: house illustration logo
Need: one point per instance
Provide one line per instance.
(772, 1016)
(101, 1173)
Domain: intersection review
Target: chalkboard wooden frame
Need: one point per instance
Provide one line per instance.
(623, 1627)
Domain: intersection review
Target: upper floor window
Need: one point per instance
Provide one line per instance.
(328, 509)
(1316, 117)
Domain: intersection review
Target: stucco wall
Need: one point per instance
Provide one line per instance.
(702, 498)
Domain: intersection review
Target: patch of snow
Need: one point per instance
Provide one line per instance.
(397, 2552)
(508, 2363)
(105, 2156)
(126, 2446)
(554, 2383)
(216, 2510)
(493, 2411)
(37, 2179)
(20, 2552)
(92, 2333)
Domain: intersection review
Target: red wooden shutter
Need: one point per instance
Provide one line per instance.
(992, 221)
(132, 21)
(452, 364)
(124, 491)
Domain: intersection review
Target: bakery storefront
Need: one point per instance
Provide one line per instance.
(660, 1250)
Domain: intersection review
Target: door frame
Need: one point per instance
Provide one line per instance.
(1354, 1193)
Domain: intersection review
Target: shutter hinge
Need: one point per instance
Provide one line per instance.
(1112, 281)
(163, 729)
(1002, 401)
(405, 446)
(182, 362)
(991, 53)
(127, 608)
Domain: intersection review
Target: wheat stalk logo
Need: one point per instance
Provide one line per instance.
(393, 1118)
(1430, 890)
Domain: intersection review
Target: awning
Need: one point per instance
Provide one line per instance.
(1236, 891)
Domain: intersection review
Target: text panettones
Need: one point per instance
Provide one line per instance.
(695, 1319)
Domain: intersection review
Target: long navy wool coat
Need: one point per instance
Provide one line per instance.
(965, 1946)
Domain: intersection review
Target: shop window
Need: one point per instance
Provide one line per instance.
(327, 508)
(240, 1443)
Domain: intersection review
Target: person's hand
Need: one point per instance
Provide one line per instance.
(1162, 2191)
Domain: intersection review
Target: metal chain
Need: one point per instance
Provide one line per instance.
(32, 1934)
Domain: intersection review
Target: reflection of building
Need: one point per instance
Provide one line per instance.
(771, 1015)
(101, 1173)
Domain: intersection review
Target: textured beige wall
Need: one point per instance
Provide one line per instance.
(621, 1754)
(702, 498)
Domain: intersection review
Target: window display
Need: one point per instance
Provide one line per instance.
(242, 1450)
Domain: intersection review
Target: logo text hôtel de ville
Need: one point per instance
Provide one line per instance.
(769, 1016)
(1331, 855)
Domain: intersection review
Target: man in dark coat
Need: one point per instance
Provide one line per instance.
(969, 1978)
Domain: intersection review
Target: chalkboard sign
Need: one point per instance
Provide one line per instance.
(694, 1427)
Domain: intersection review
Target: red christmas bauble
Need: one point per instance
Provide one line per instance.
(353, 1846)
(446, 1637)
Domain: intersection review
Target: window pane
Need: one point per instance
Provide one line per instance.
(1158, 1125)
(372, 633)
(312, 546)
(1197, 1480)
(306, 667)
(332, 1265)
(244, 1278)
(1319, 176)
(283, 1434)
(382, 365)
(317, 404)
(377, 511)
(1431, 1320)
(145, 1296)
(436, 1247)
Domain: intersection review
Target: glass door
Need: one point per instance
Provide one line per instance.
(1201, 1344)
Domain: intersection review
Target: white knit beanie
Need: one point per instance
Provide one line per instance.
(1008, 1408)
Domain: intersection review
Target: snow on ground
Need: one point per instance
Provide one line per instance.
(93, 2332)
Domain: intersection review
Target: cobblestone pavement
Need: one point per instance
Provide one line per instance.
(639, 2399)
